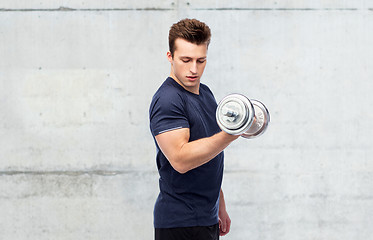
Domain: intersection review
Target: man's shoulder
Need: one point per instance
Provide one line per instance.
(168, 86)
(168, 93)
(205, 88)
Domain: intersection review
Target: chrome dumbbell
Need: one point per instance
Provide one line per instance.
(238, 115)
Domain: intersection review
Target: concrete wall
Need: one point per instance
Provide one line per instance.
(76, 78)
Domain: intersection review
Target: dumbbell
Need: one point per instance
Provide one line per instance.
(238, 115)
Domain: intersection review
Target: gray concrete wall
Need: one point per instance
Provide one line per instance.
(76, 78)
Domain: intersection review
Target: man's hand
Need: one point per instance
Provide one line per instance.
(224, 222)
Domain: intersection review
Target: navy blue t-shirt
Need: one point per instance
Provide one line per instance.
(192, 198)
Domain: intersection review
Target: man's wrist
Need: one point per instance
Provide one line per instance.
(230, 136)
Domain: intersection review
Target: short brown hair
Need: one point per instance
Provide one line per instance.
(190, 30)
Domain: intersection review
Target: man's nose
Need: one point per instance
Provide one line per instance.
(193, 67)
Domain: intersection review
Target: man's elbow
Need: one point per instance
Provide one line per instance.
(181, 170)
(179, 166)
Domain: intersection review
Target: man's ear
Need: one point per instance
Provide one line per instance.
(169, 57)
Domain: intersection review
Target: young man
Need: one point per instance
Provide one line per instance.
(189, 143)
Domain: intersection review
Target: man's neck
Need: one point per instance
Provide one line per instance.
(192, 90)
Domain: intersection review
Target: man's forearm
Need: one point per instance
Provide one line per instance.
(196, 153)
(221, 201)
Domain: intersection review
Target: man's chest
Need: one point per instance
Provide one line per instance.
(202, 119)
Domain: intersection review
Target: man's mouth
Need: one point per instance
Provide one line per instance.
(192, 78)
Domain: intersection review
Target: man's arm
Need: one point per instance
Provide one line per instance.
(184, 155)
(224, 220)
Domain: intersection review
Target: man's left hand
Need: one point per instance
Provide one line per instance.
(224, 222)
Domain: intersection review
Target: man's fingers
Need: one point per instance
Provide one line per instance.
(228, 228)
(222, 227)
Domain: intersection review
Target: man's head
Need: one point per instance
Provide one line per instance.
(191, 30)
(189, 40)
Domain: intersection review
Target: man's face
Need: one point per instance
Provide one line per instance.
(188, 64)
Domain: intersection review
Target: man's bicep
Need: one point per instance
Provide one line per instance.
(171, 142)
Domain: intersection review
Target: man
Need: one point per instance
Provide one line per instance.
(189, 143)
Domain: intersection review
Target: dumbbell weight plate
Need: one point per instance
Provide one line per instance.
(262, 119)
(235, 114)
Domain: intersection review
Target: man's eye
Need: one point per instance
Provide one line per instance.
(185, 61)
(201, 61)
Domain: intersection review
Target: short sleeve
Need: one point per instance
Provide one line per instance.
(166, 113)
